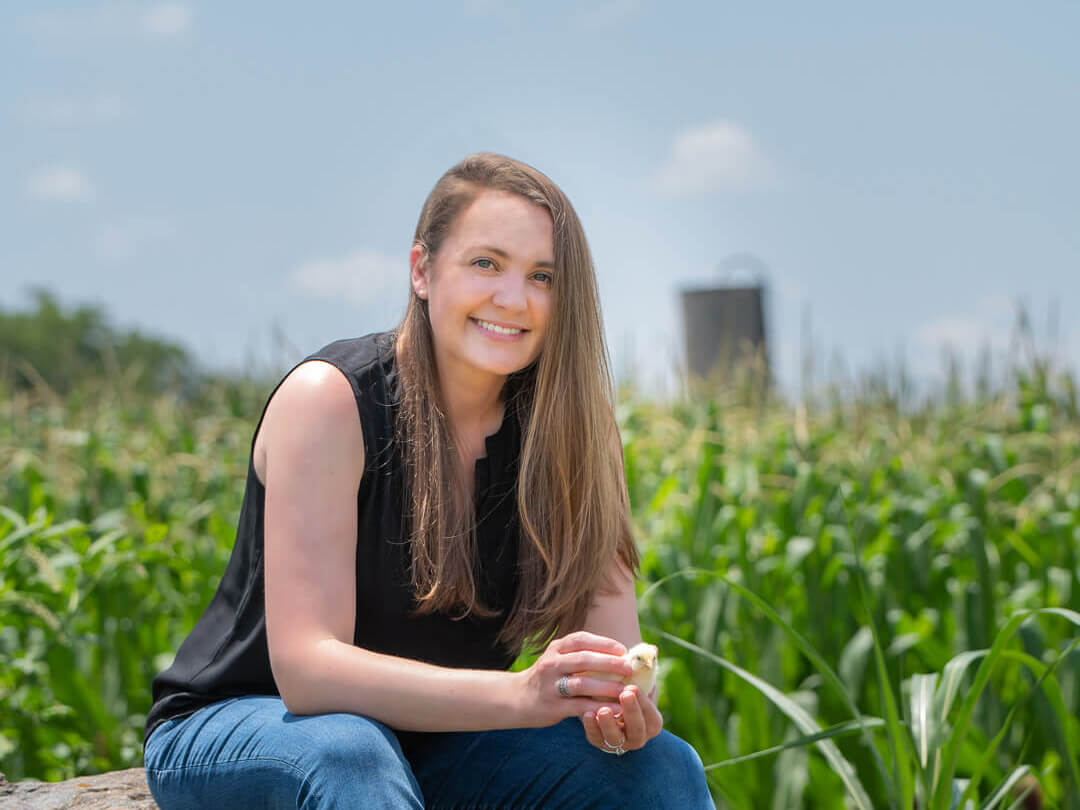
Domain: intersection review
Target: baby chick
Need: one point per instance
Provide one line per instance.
(642, 658)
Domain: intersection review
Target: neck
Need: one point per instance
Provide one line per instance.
(474, 404)
(472, 399)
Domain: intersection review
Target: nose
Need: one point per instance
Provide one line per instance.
(510, 292)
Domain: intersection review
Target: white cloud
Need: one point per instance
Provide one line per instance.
(715, 157)
(59, 23)
(961, 334)
(62, 183)
(166, 19)
(605, 13)
(73, 112)
(993, 324)
(120, 241)
(109, 20)
(492, 8)
(505, 11)
(990, 324)
(362, 278)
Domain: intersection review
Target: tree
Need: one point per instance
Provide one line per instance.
(62, 349)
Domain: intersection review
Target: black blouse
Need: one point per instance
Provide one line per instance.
(226, 654)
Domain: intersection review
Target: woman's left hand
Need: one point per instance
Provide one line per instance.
(639, 723)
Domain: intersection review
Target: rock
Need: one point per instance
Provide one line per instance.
(116, 790)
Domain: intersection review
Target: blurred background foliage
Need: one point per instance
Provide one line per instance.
(60, 349)
(121, 475)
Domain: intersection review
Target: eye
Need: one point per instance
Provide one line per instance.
(543, 277)
(485, 264)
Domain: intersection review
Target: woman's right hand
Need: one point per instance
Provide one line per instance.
(540, 701)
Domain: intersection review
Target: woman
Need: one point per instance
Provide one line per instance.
(421, 506)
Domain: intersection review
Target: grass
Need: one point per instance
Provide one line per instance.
(860, 600)
(851, 555)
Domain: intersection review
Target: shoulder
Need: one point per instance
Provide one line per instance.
(312, 413)
(329, 385)
(316, 390)
(358, 356)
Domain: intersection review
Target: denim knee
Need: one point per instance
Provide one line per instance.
(347, 748)
(676, 753)
(666, 773)
(251, 752)
(669, 769)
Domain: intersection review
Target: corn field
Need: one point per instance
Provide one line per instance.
(858, 605)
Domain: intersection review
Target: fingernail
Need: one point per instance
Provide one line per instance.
(589, 716)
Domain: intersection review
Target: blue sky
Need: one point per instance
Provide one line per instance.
(221, 173)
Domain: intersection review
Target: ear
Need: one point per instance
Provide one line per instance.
(418, 267)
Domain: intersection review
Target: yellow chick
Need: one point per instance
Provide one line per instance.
(642, 658)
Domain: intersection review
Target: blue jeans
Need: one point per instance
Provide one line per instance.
(250, 752)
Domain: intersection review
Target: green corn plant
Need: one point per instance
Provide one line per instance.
(925, 747)
(947, 551)
(836, 555)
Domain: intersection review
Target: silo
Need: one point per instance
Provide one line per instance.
(724, 324)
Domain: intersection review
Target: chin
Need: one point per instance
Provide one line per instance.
(505, 368)
(503, 362)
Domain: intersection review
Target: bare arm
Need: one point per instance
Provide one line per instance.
(637, 720)
(615, 615)
(313, 465)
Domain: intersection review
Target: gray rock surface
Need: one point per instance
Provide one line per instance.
(116, 790)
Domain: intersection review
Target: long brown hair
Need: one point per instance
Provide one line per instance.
(571, 491)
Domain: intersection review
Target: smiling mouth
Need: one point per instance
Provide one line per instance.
(496, 329)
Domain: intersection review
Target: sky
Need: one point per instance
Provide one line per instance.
(245, 177)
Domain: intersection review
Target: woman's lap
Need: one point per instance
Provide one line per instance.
(250, 752)
(554, 767)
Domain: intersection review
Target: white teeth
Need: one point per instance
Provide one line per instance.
(501, 330)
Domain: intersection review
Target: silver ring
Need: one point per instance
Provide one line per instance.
(617, 750)
(563, 690)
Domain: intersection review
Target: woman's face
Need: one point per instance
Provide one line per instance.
(489, 287)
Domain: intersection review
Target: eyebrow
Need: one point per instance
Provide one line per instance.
(502, 254)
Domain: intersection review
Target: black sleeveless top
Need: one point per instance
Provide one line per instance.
(226, 654)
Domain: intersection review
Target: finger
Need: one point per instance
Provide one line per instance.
(654, 721)
(633, 718)
(609, 727)
(581, 686)
(583, 640)
(592, 730)
(581, 706)
(583, 661)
